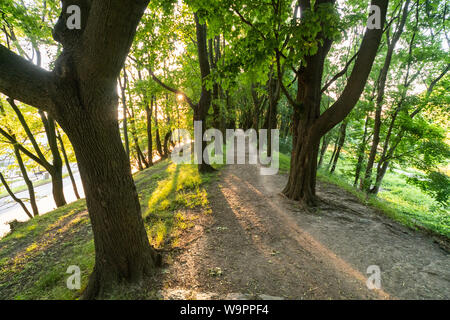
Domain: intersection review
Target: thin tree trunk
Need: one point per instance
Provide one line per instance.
(12, 195)
(124, 106)
(157, 135)
(69, 169)
(323, 149)
(381, 86)
(55, 168)
(57, 165)
(342, 135)
(28, 182)
(361, 153)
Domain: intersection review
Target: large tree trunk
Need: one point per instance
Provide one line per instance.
(302, 176)
(323, 149)
(201, 108)
(121, 244)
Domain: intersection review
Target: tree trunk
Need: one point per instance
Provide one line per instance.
(361, 153)
(323, 149)
(121, 244)
(381, 86)
(148, 112)
(302, 175)
(166, 144)
(201, 109)
(13, 196)
(157, 135)
(380, 175)
(28, 182)
(81, 93)
(56, 169)
(69, 169)
(342, 134)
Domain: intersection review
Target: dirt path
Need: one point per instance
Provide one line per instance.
(257, 242)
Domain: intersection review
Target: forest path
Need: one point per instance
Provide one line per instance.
(258, 242)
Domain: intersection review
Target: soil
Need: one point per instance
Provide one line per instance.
(258, 244)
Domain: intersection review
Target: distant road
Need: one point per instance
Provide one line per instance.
(10, 210)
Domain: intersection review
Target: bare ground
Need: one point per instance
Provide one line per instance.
(257, 242)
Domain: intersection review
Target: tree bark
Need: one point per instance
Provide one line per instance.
(13, 196)
(157, 135)
(122, 249)
(323, 149)
(201, 109)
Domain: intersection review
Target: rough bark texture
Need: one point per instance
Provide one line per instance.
(80, 93)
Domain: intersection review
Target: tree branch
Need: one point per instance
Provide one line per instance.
(171, 89)
(358, 78)
(340, 73)
(21, 80)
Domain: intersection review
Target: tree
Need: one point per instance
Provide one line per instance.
(309, 125)
(80, 93)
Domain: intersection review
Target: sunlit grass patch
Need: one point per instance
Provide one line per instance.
(182, 189)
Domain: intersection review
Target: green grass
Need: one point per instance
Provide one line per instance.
(34, 258)
(166, 214)
(398, 200)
